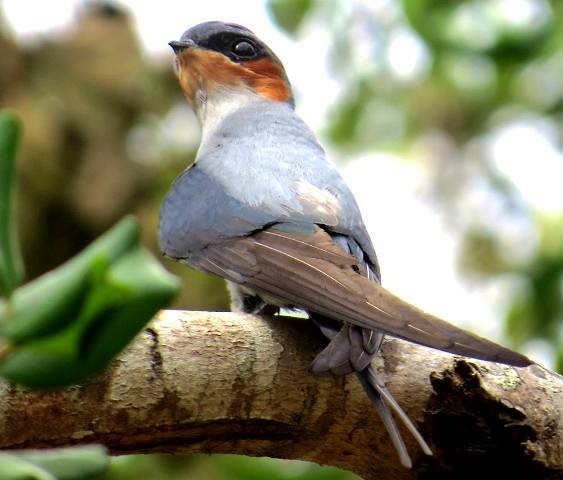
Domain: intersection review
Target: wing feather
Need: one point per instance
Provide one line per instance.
(310, 271)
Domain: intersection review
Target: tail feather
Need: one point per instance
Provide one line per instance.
(378, 384)
(346, 351)
(386, 418)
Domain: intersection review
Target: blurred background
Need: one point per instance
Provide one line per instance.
(446, 119)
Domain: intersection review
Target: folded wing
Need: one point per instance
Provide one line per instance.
(309, 271)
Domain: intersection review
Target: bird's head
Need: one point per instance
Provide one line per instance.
(216, 59)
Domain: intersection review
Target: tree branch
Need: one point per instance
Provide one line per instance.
(232, 383)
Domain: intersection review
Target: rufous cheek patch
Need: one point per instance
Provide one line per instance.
(204, 69)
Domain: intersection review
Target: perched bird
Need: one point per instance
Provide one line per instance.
(263, 208)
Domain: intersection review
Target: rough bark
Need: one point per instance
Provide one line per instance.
(232, 383)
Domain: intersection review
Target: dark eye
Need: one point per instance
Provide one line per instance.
(244, 48)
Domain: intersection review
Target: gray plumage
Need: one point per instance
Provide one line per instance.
(244, 186)
(247, 174)
(263, 208)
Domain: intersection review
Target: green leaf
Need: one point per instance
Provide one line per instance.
(289, 14)
(119, 304)
(13, 467)
(149, 288)
(429, 18)
(74, 463)
(53, 300)
(238, 467)
(11, 264)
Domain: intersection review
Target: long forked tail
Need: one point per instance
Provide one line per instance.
(385, 403)
(351, 350)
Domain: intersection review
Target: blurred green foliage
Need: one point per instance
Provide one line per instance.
(218, 467)
(97, 142)
(92, 463)
(83, 463)
(11, 264)
(70, 322)
(290, 15)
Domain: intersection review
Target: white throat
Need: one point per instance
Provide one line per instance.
(215, 107)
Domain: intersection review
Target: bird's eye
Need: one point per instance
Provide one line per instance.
(244, 48)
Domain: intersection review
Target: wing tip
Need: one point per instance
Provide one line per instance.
(514, 359)
(497, 354)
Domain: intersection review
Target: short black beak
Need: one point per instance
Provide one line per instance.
(179, 45)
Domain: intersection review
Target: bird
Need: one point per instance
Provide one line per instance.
(264, 208)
